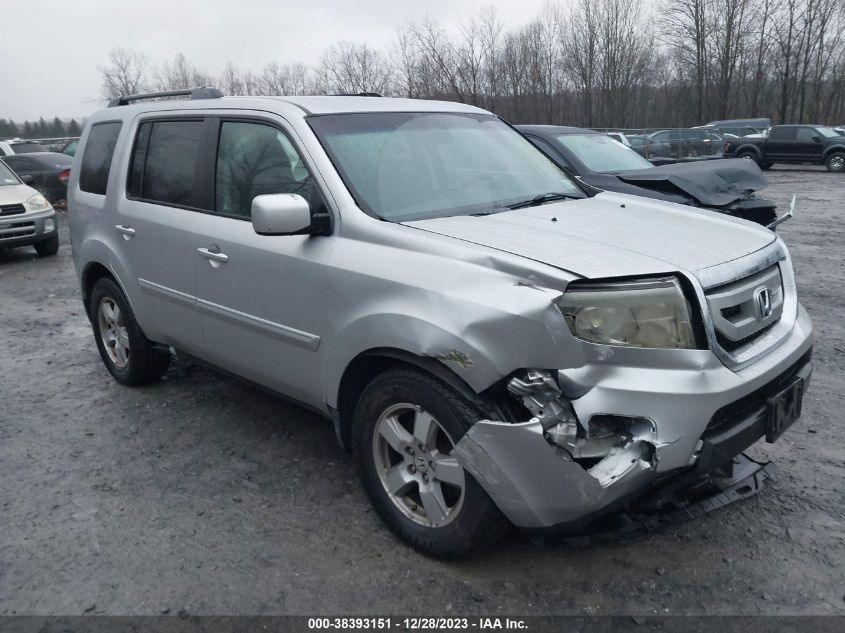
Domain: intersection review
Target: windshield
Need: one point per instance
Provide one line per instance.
(6, 176)
(601, 153)
(27, 147)
(408, 165)
(829, 132)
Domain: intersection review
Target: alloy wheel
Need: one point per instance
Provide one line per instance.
(413, 458)
(113, 332)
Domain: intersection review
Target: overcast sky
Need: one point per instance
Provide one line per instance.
(50, 49)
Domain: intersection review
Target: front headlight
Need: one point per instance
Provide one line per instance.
(37, 203)
(648, 313)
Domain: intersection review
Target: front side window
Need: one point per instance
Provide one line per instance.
(806, 134)
(403, 166)
(96, 162)
(255, 159)
(166, 174)
(601, 153)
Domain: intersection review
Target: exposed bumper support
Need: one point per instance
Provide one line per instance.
(536, 484)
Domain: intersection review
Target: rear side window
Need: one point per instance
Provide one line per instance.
(164, 161)
(96, 162)
(783, 133)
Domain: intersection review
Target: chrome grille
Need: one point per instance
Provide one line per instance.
(744, 309)
(16, 229)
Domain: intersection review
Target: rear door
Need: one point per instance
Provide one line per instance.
(780, 145)
(261, 298)
(165, 190)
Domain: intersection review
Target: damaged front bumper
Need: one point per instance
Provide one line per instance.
(607, 434)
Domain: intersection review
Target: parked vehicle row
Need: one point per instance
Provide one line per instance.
(19, 146)
(496, 342)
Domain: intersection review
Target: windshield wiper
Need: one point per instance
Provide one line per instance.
(542, 199)
(491, 211)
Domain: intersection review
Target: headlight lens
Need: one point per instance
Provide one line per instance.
(649, 313)
(37, 203)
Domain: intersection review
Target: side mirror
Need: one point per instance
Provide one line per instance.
(817, 139)
(27, 180)
(281, 214)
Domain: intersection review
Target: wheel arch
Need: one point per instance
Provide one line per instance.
(835, 149)
(749, 147)
(92, 272)
(362, 369)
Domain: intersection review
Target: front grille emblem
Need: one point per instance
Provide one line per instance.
(763, 301)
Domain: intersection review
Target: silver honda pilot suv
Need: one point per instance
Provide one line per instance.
(495, 343)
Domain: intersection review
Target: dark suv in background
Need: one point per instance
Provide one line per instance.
(796, 144)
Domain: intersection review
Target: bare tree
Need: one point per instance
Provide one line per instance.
(354, 68)
(589, 62)
(178, 74)
(125, 74)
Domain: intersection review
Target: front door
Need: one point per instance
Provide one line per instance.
(809, 144)
(261, 298)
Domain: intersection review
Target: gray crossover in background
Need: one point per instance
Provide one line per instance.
(496, 344)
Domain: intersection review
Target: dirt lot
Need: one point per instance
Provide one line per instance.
(201, 494)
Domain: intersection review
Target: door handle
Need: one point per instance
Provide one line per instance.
(217, 257)
(127, 231)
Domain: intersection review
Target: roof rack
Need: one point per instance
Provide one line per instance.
(358, 94)
(194, 93)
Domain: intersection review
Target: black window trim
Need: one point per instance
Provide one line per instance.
(206, 167)
(85, 149)
(200, 185)
(251, 118)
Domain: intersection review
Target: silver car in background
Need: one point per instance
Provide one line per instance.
(496, 344)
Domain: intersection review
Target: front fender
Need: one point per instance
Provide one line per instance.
(478, 343)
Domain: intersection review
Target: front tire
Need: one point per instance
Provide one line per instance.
(47, 247)
(405, 427)
(836, 162)
(128, 355)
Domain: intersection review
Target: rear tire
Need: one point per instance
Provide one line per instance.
(748, 155)
(128, 355)
(836, 162)
(396, 407)
(47, 247)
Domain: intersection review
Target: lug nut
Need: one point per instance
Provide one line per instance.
(409, 450)
(425, 478)
(412, 469)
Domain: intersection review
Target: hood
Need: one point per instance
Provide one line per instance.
(15, 194)
(611, 182)
(610, 235)
(713, 183)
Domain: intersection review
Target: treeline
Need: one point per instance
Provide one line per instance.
(598, 63)
(40, 128)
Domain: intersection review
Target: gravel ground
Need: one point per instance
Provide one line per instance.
(203, 495)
